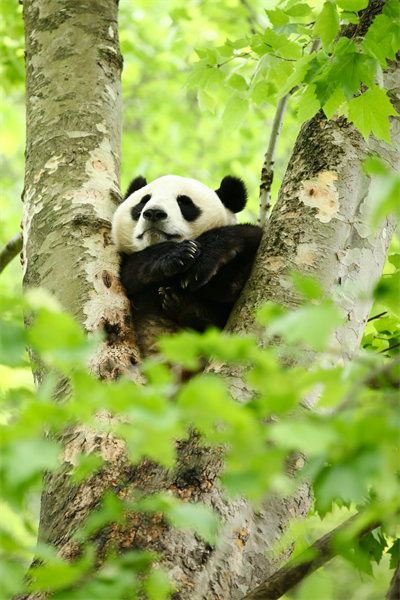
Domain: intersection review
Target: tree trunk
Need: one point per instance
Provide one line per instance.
(317, 226)
(74, 112)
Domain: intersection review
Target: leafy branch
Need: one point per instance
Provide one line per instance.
(296, 570)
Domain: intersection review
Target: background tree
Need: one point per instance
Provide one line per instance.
(71, 185)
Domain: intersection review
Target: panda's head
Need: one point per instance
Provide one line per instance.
(174, 208)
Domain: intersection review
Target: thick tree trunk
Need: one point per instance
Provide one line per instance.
(74, 113)
(317, 226)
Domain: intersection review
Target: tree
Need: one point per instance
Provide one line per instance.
(73, 60)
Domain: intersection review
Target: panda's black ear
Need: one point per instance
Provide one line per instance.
(135, 185)
(232, 193)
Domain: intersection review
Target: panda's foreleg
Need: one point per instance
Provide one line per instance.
(190, 311)
(156, 264)
(234, 245)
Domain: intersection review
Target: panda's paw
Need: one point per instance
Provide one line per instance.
(183, 257)
(199, 275)
(171, 300)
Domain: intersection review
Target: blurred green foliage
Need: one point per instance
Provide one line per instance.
(351, 449)
(195, 73)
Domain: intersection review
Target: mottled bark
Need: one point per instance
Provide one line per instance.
(74, 114)
(317, 226)
(73, 110)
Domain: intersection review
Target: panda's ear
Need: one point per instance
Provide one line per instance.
(135, 185)
(232, 193)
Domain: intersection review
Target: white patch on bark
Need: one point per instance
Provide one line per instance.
(275, 263)
(53, 162)
(77, 134)
(321, 193)
(306, 254)
(33, 204)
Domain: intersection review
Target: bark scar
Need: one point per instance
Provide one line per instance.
(321, 193)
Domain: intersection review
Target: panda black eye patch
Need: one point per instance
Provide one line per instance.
(137, 209)
(189, 210)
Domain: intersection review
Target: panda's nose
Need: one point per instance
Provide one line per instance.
(154, 214)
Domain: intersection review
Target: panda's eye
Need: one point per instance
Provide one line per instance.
(137, 209)
(189, 210)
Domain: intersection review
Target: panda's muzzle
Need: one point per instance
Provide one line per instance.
(154, 214)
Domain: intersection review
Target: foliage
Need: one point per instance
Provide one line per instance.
(280, 59)
(246, 59)
(351, 448)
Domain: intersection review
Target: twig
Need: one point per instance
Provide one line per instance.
(252, 17)
(10, 250)
(294, 572)
(390, 348)
(382, 314)
(267, 171)
(367, 379)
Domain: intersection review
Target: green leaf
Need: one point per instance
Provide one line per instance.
(308, 286)
(346, 481)
(157, 585)
(234, 113)
(195, 516)
(237, 82)
(27, 458)
(277, 17)
(384, 191)
(308, 437)
(54, 577)
(299, 9)
(280, 44)
(308, 105)
(297, 77)
(311, 325)
(394, 552)
(348, 69)
(352, 5)
(387, 292)
(13, 343)
(263, 91)
(370, 111)
(206, 102)
(373, 545)
(382, 39)
(334, 103)
(327, 24)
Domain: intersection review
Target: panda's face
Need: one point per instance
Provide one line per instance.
(171, 208)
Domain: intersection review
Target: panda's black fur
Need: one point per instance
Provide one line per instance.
(192, 282)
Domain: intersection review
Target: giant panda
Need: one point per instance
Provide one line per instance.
(185, 259)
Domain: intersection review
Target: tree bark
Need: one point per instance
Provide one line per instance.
(317, 226)
(74, 113)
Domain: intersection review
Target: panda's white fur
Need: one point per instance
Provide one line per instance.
(132, 236)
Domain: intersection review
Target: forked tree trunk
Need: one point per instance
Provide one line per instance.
(317, 226)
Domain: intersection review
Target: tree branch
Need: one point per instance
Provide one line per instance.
(370, 377)
(295, 571)
(267, 171)
(393, 592)
(10, 250)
